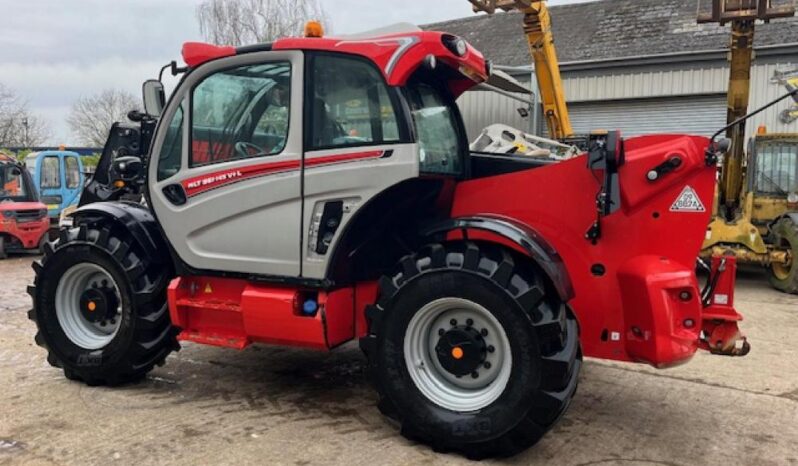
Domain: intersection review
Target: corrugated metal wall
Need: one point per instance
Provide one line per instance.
(484, 108)
(765, 91)
(692, 115)
(645, 82)
(614, 85)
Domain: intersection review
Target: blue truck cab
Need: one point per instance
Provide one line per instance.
(58, 177)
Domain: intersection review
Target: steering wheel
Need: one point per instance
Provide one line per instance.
(247, 149)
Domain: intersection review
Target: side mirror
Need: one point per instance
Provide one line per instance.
(154, 97)
(15, 172)
(126, 168)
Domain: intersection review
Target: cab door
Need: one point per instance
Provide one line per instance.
(225, 171)
(51, 181)
(73, 180)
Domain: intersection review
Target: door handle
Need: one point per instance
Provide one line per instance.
(175, 194)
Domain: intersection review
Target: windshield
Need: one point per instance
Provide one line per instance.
(440, 146)
(777, 167)
(12, 184)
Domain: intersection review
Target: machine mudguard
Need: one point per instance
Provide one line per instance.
(524, 237)
(135, 218)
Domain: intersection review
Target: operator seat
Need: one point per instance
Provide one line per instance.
(323, 124)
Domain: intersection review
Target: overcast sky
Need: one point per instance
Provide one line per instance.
(54, 51)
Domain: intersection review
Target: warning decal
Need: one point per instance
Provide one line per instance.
(688, 201)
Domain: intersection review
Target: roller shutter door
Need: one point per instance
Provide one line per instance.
(701, 115)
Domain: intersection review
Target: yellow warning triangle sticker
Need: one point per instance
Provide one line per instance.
(208, 288)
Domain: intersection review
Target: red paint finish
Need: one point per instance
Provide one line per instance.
(200, 184)
(312, 162)
(396, 55)
(398, 63)
(28, 233)
(197, 53)
(235, 313)
(638, 288)
(203, 183)
(720, 318)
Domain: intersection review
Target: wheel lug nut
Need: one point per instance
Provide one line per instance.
(487, 364)
(475, 375)
(453, 322)
(469, 322)
(491, 349)
(484, 332)
(441, 332)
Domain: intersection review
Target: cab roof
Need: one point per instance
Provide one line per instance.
(397, 55)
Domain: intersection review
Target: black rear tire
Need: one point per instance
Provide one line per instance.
(542, 333)
(785, 278)
(145, 336)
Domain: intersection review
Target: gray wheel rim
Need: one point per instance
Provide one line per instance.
(461, 394)
(80, 331)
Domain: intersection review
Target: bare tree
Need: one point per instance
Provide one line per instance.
(91, 117)
(18, 126)
(240, 22)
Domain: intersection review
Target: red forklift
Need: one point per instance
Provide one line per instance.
(23, 219)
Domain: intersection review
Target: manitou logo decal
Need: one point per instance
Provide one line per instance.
(688, 201)
(221, 178)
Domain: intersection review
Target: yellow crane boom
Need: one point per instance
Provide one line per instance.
(537, 27)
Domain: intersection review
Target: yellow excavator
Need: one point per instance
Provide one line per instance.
(756, 205)
(537, 27)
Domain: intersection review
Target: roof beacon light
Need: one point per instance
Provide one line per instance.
(314, 29)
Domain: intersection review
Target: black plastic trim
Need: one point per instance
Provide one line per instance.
(526, 237)
(136, 219)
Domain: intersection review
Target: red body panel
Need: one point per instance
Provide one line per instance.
(28, 233)
(234, 313)
(648, 251)
(396, 55)
(399, 55)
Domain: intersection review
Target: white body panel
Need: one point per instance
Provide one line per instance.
(357, 182)
(251, 226)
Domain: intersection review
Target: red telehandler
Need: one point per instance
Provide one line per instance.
(314, 191)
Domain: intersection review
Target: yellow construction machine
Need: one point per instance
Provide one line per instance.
(756, 204)
(537, 27)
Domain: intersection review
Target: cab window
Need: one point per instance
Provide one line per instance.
(441, 150)
(51, 173)
(12, 183)
(72, 172)
(240, 113)
(169, 160)
(350, 104)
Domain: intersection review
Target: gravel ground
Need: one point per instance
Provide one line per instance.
(285, 406)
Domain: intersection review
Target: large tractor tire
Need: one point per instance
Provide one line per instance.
(100, 307)
(470, 352)
(785, 277)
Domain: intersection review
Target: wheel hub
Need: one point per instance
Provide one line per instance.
(461, 350)
(458, 354)
(98, 304)
(88, 305)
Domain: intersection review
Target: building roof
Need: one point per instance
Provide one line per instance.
(608, 29)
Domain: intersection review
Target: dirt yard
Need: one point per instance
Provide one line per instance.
(283, 406)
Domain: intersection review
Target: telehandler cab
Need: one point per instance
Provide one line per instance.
(314, 191)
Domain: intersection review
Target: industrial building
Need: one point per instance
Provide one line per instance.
(641, 66)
